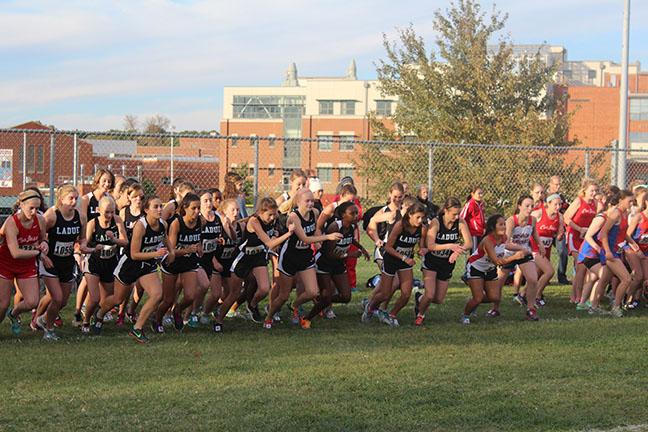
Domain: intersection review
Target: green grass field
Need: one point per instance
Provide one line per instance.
(566, 372)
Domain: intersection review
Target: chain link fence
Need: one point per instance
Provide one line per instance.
(46, 158)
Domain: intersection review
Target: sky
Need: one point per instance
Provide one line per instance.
(86, 64)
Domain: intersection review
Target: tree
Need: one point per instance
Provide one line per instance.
(157, 123)
(463, 91)
(131, 123)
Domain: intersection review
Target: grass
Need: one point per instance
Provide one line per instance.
(567, 372)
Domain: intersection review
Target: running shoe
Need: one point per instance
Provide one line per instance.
(616, 312)
(276, 317)
(419, 320)
(232, 313)
(15, 323)
(304, 323)
(254, 314)
(85, 329)
(193, 321)
(585, 306)
(98, 326)
(108, 317)
(267, 324)
(393, 321)
(296, 314)
(58, 322)
(492, 313)
(417, 300)
(596, 310)
(520, 299)
(532, 315)
(167, 321)
(465, 320)
(50, 336)
(329, 314)
(366, 314)
(204, 319)
(77, 320)
(157, 328)
(541, 302)
(40, 323)
(217, 328)
(383, 316)
(120, 320)
(630, 305)
(138, 335)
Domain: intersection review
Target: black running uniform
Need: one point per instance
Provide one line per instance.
(332, 263)
(295, 255)
(438, 261)
(102, 263)
(229, 250)
(186, 237)
(404, 245)
(129, 270)
(383, 230)
(61, 238)
(93, 206)
(211, 234)
(129, 223)
(252, 252)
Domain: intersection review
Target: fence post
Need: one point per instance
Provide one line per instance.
(52, 176)
(171, 173)
(430, 167)
(587, 164)
(95, 167)
(139, 173)
(82, 175)
(75, 160)
(256, 171)
(24, 161)
(124, 170)
(614, 163)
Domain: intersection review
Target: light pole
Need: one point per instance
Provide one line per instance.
(623, 115)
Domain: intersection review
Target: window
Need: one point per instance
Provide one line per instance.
(383, 107)
(591, 74)
(567, 73)
(347, 143)
(40, 167)
(639, 108)
(326, 107)
(271, 141)
(346, 171)
(267, 107)
(348, 107)
(638, 137)
(165, 180)
(30, 158)
(325, 143)
(234, 142)
(325, 174)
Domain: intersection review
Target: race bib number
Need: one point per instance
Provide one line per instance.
(63, 249)
(107, 252)
(209, 246)
(546, 241)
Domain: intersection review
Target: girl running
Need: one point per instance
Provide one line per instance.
(473, 213)
(171, 208)
(537, 193)
(614, 237)
(577, 219)
(212, 238)
(225, 256)
(482, 274)
(23, 241)
(296, 259)
(444, 247)
(330, 260)
(638, 230)
(65, 227)
(148, 245)
(399, 259)
(252, 260)
(298, 180)
(550, 227)
(520, 229)
(384, 219)
(104, 234)
(184, 240)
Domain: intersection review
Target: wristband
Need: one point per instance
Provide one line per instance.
(404, 258)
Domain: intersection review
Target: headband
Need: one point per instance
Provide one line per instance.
(553, 197)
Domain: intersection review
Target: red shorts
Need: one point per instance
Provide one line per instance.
(18, 269)
(574, 242)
